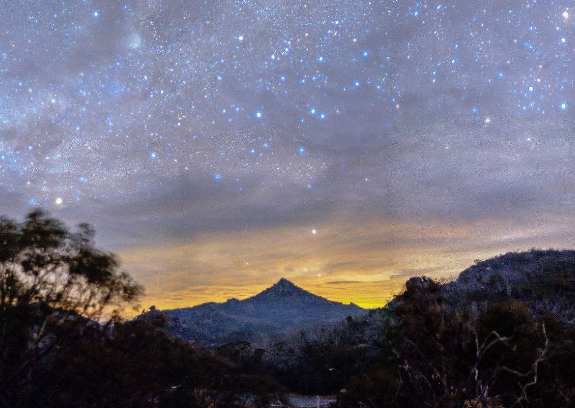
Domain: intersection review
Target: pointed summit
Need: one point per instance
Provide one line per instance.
(285, 284)
(284, 291)
(284, 288)
(278, 309)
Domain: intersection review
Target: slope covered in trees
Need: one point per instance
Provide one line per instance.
(501, 335)
(62, 343)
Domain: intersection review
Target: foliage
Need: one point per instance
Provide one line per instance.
(62, 343)
(140, 366)
(53, 282)
(502, 335)
(438, 355)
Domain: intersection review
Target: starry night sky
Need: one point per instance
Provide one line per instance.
(217, 146)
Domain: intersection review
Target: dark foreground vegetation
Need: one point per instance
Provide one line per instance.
(62, 343)
(502, 335)
(438, 355)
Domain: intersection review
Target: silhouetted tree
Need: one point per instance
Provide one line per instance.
(438, 355)
(52, 283)
(63, 344)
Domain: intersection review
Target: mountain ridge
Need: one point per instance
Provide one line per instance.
(274, 311)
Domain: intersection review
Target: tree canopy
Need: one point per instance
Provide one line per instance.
(63, 342)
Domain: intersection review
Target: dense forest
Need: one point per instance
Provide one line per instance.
(501, 335)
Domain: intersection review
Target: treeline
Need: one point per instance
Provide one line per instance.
(437, 355)
(315, 361)
(501, 336)
(488, 341)
(62, 343)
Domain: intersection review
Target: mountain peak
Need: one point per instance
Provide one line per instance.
(284, 289)
(284, 283)
(278, 309)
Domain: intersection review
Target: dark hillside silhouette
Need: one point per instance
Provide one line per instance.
(58, 349)
(501, 335)
(277, 310)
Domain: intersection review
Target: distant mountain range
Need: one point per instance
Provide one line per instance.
(543, 279)
(275, 311)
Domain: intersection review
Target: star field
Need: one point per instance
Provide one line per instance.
(166, 121)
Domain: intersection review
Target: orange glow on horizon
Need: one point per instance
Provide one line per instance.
(366, 264)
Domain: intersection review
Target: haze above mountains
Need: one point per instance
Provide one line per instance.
(534, 277)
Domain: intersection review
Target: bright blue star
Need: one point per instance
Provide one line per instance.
(258, 115)
(153, 155)
(312, 111)
(563, 106)
(218, 177)
(365, 54)
(301, 150)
